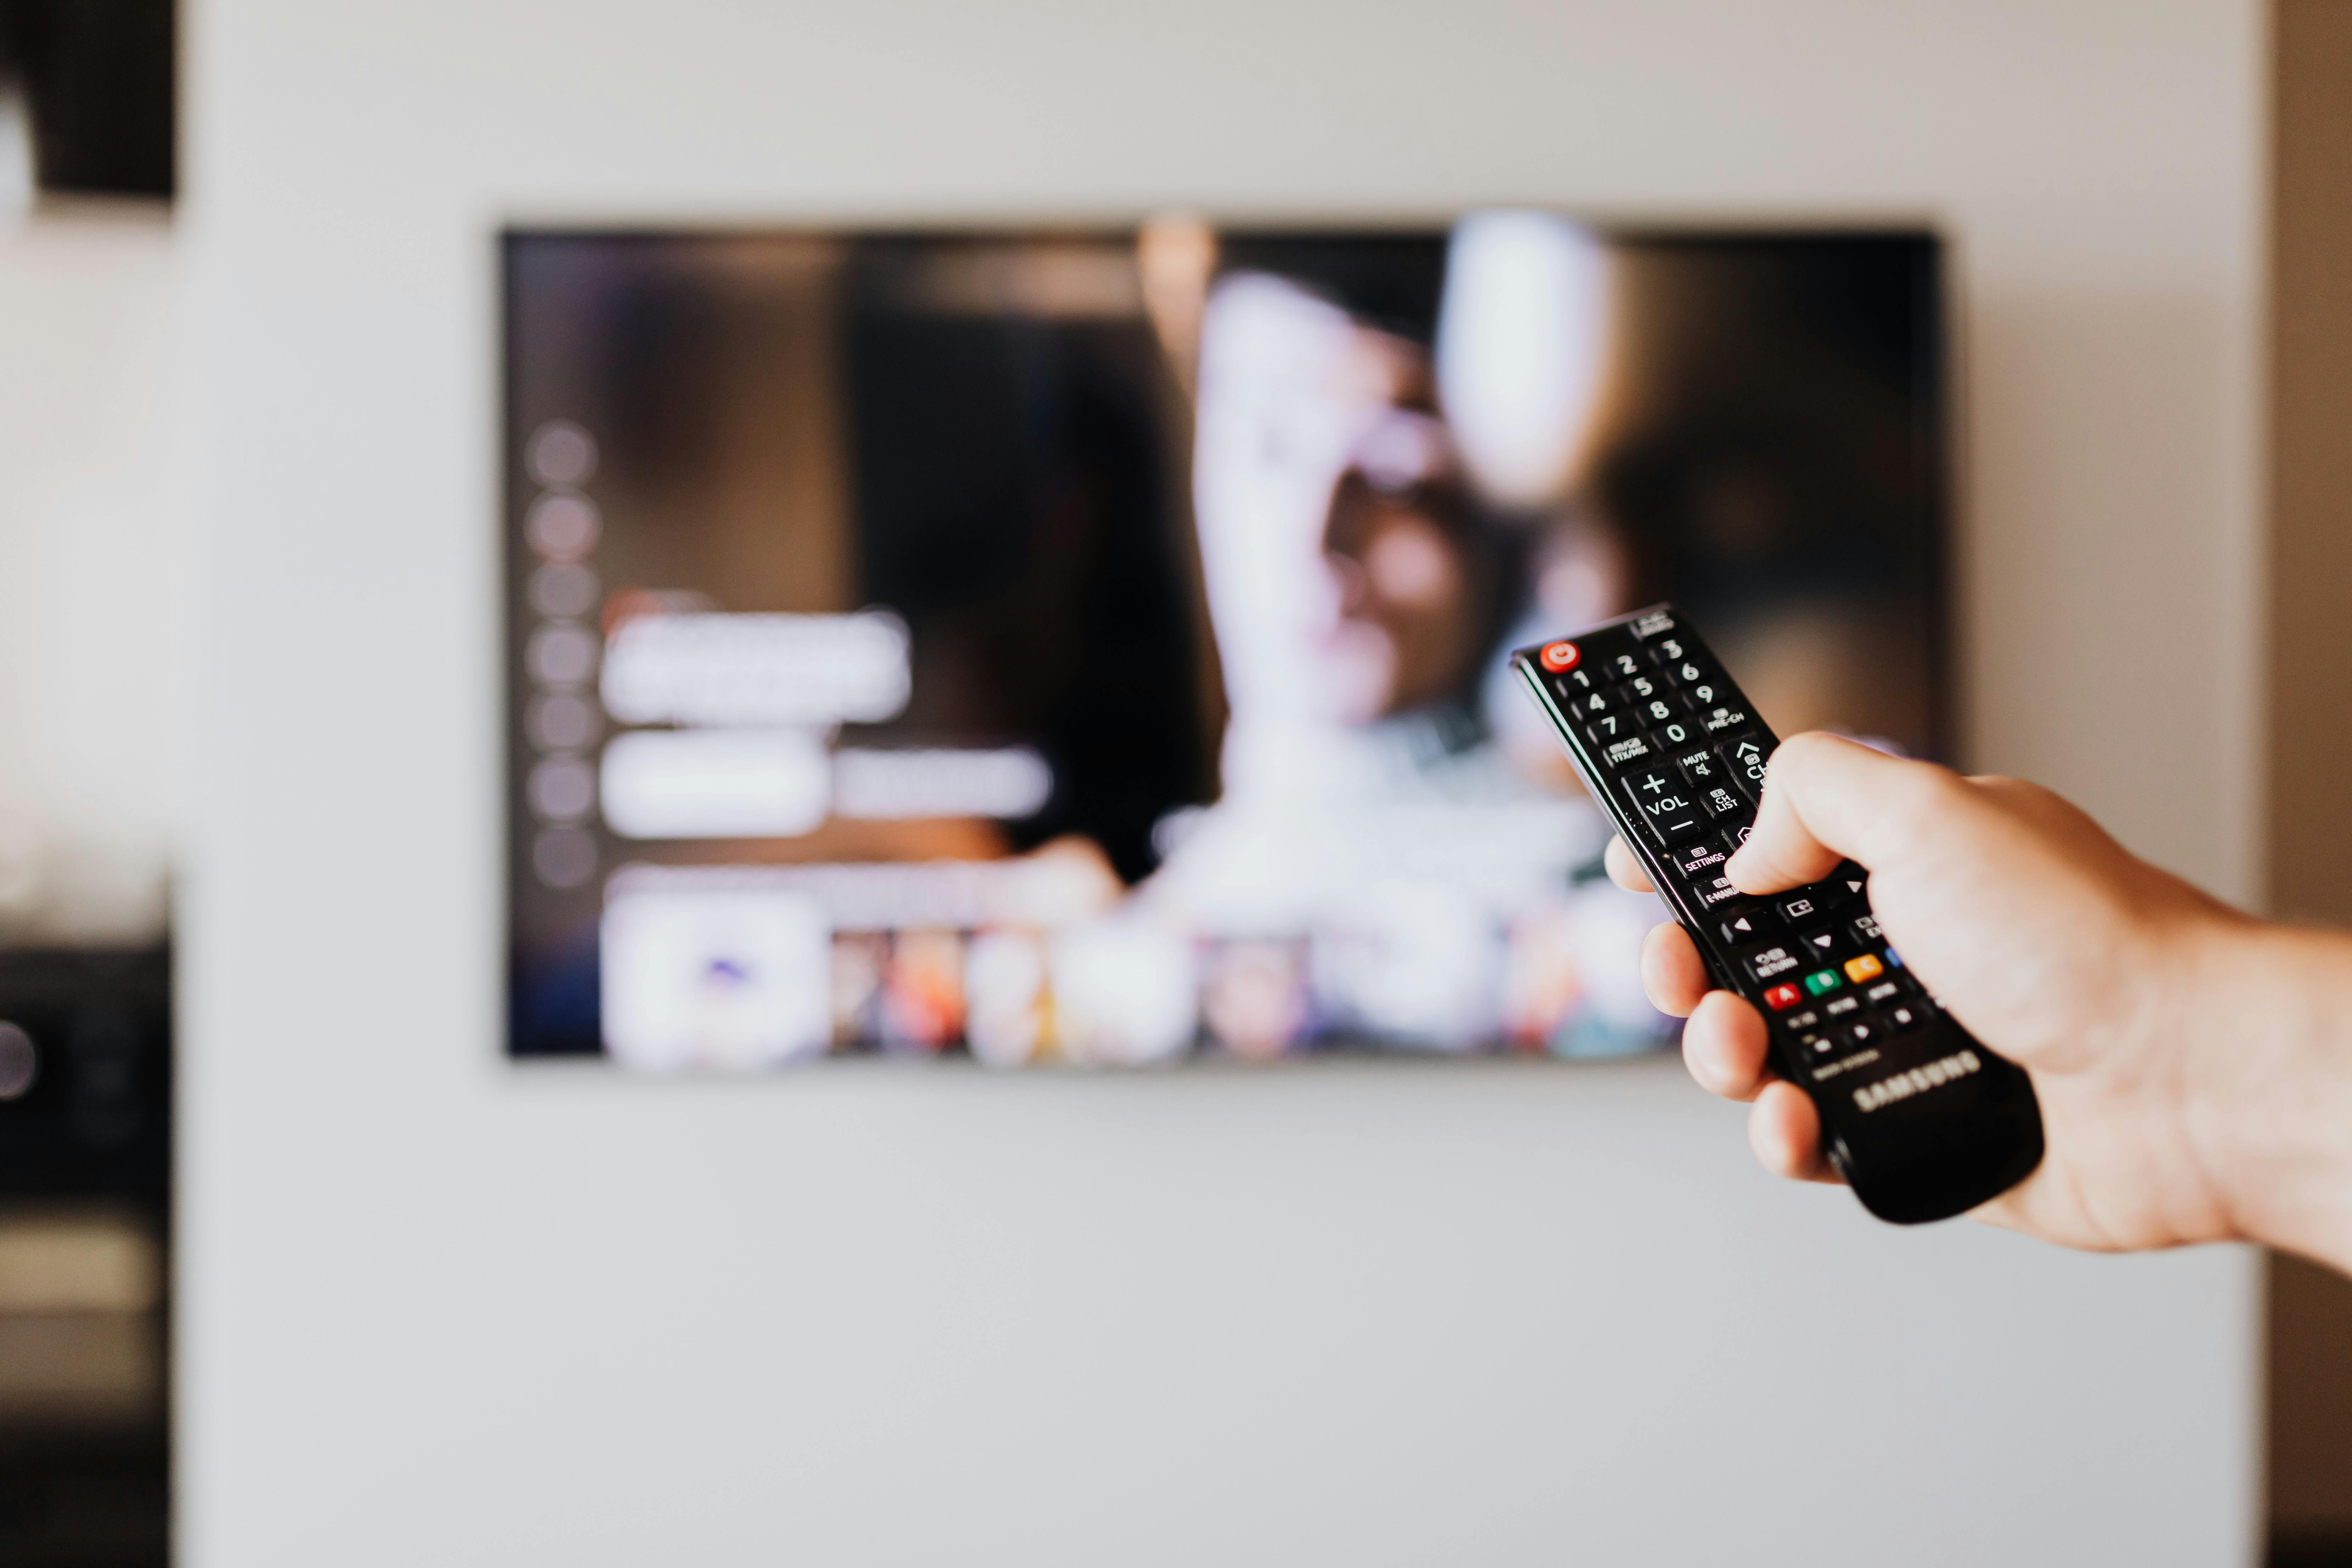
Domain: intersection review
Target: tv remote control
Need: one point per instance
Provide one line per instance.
(1922, 1120)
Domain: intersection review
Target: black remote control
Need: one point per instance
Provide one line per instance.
(1922, 1120)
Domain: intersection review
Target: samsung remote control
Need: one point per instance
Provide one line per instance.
(1922, 1120)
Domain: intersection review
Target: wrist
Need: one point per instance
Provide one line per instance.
(2265, 1054)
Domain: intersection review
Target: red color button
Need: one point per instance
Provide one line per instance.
(1558, 656)
(1780, 998)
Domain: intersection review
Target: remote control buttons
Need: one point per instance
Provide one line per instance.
(1657, 711)
(1822, 981)
(1903, 1017)
(1840, 1007)
(1724, 720)
(1860, 1033)
(1882, 992)
(1820, 944)
(1746, 927)
(1607, 728)
(1745, 756)
(1801, 905)
(1717, 799)
(1768, 964)
(1808, 1020)
(1623, 665)
(1780, 998)
(1863, 969)
(1698, 861)
(1676, 733)
(1642, 688)
(1664, 807)
(1575, 684)
(1866, 931)
(1622, 751)
(1668, 651)
(1558, 657)
(1843, 885)
(1701, 768)
(1736, 838)
(1684, 671)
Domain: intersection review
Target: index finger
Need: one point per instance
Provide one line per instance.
(1827, 798)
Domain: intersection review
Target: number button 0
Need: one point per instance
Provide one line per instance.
(1676, 734)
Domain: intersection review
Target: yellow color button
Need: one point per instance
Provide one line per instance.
(1866, 967)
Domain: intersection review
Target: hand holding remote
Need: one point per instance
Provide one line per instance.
(2194, 1066)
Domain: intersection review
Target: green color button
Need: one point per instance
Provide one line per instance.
(1822, 981)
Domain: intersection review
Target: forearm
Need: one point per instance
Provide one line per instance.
(2269, 1089)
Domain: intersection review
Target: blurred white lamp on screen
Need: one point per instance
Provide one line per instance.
(1521, 349)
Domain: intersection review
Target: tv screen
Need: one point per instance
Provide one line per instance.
(1088, 648)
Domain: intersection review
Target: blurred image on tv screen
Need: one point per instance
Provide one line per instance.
(1089, 647)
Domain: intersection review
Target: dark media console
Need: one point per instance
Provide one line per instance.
(95, 1120)
(85, 1152)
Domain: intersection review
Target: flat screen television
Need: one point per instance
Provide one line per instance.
(1087, 647)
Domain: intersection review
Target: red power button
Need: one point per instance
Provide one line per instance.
(1558, 656)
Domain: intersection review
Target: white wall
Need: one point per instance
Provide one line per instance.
(96, 611)
(437, 1309)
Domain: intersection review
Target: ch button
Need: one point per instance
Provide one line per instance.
(1745, 756)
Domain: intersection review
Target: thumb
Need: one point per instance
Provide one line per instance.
(1827, 798)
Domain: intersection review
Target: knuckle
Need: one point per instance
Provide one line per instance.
(1796, 754)
(1915, 802)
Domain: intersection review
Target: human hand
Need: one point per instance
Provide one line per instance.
(2108, 980)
